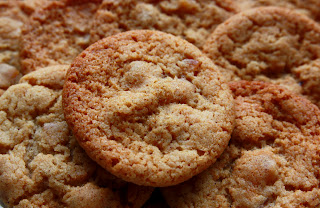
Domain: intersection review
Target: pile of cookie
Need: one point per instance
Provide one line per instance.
(144, 103)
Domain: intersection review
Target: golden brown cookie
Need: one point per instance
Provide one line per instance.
(12, 18)
(15, 9)
(307, 7)
(149, 107)
(9, 75)
(56, 33)
(272, 160)
(41, 163)
(189, 19)
(270, 44)
(13, 15)
(29, 6)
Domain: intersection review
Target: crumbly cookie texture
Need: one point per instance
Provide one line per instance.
(12, 18)
(307, 7)
(269, 44)
(13, 15)
(56, 33)
(149, 107)
(272, 160)
(189, 19)
(10, 32)
(41, 163)
(29, 6)
(9, 75)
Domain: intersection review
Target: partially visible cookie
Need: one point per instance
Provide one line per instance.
(149, 107)
(14, 9)
(12, 19)
(272, 160)
(189, 19)
(56, 33)
(13, 15)
(307, 7)
(41, 163)
(269, 44)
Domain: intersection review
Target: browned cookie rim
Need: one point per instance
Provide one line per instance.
(106, 150)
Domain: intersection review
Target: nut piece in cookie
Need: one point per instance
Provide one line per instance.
(192, 20)
(270, 44)
(272, 160)
(149, 107)
(41, 163)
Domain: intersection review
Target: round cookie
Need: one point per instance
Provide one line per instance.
(56, 33)
(41, 163)
(307, 7)
(149, 107)
(269, 44)
(272, 160)
(189, 19)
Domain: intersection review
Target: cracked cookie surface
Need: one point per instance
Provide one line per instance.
(149, 107)
(41, 163)
(270, 44)
(272, 160)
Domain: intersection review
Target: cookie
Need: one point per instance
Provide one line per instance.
(307, 7)
(13, 15)
(269, 44)
(41, 163)
(9, 75)
(191, 20)
(56, 33)
(272, 160)
(14, 9)
(30, 6)
(148, 106)
(12, 19)
(10, 31)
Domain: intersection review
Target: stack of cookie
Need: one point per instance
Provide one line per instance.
(141, 103)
